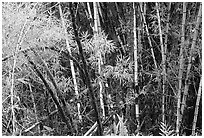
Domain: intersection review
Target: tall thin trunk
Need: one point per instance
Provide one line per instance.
(88, 81)
(196, 107)
(120, 20)
(97, 29)
(145, 8)
(163, 63)
(53, 95)
(20, 40)
(90, 15)
(135, 63)
(181, 62)
(165, 48)
(187, 80)
(148, 35)
(166, 31)
(71, 64)
(34, 105)
(139, 31)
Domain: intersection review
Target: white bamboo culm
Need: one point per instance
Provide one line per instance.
(180, 70)
(196, 107)
(163, 62)
(148, 35)
(71, 64)
(190, 59)
(19, 42)
(97, 29)
(135, 60)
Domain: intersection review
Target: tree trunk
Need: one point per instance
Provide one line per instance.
(181, 62)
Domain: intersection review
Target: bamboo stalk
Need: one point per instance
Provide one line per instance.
(88, 81)
(181, 61)
(20, 40)
(148, 35)
(163, 63)
(90, 15)
(165, 48)
(187, 82)
(135, 63)
(72, 65)
(53, 95)
(100, 61)
(166, 31)
(118, 13)
(34, 105)
(196, 107)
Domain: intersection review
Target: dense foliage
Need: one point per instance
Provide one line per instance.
(43, 44)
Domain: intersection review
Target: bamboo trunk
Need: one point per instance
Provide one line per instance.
(196, 107)
(120, 20)
(148, 35)
(97, 29)
(163, 63)
(135, 64)
(165, 49)
(187, 82)
(88, 81)
(72, 65)
(180, 69)
(19, 42)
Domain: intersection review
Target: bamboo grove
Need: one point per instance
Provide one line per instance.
(101, 68)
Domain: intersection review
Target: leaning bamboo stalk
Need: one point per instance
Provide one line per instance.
(34, 105)
(135, 62)
(91, 129)
(148, 35)
(163, 62)
(196, 107)
(187, 82)
(97, 29)
(71, 64)
(53, 95)
(181, 62)
(59, 94)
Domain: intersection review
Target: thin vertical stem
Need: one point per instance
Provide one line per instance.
(20, 40)
(180, 69)
(196, 107)
(148, 36)
(135, 61)
(88, 81)
(100, 62)
(163, 63)
(187, 82)
(71, 64)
